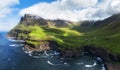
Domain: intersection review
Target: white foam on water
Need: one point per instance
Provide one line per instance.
(16, 45)
(28, 52)
(103, 67)
(39, 56)
(56, 53)
(99, 59)
(50, 63)
(12, 45)
(80, 63)
(88, 66)
(12, 40)
(51, 54)
(9, 59)
(45, 52)
(65, 63)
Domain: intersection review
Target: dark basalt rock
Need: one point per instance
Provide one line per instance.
(71, 53)
(112, 66)
(98, 51)
(109, 59)
(46, 45)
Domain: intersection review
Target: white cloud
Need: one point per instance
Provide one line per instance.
(8, 23)
(6, 9)
(115, 5)
(74, 10)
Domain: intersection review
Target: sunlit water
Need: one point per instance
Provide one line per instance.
(14, 57)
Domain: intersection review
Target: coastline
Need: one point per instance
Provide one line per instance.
(111, 62)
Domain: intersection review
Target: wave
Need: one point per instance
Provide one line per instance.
(45, 52)
(28, 52)
(51, 53)
(12, 40)
(99, 59)
(94, 64)
(80, 63)
(103, 67)
(50, 63)
(16, 45)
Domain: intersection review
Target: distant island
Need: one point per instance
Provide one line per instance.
(99, 38)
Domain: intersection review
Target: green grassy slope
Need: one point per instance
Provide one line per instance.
(106, 34)
(63, 36)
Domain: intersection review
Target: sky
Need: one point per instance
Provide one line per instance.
(72, 10)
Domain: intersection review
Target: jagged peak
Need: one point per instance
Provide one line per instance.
(30, 17)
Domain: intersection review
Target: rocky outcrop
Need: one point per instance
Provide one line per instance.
(44, 46)
(98, 51)
(15, 33)
(29, 19)
(111, 61)
(108, 58)
(112, 66)
(71, 53)
(103, 53)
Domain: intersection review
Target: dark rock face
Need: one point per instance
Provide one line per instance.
(71, 53)
(112, 66)
(15, 33)
(97, 51)
(46, 45)
(109, 59)
(101, 52)
(29, 19)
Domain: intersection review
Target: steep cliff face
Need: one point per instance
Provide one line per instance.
(100, 38)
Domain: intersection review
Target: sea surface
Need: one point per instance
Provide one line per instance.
(13, 56)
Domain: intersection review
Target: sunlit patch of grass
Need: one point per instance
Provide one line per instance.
(37, 33)
(33, 42)
(64, 36)
(68, 32)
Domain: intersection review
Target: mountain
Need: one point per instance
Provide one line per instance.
(101, 38)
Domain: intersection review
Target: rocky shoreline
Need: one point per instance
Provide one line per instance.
(108, 59)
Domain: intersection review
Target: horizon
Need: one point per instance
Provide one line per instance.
(70, 10)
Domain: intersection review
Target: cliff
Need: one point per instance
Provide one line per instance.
(99, 38)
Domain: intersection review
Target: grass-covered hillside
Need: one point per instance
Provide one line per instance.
(104, 33)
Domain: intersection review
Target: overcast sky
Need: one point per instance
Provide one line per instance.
(73, 10)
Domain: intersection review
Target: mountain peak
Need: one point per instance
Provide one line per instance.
(28, 17)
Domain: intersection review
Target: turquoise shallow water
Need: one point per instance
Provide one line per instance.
(14, 57)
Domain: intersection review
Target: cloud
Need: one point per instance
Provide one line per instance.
(74, 10)
(8, 23)
(6, 9)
